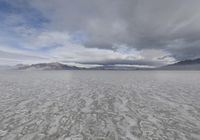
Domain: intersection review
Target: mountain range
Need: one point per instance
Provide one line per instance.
(47, 66)
(60, 66)
(182, 65)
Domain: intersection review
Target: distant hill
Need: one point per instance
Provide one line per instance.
(114, 67)
(59, 66)
(184, 65)
(47, 66)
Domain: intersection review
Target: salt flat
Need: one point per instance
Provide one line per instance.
(100, 105)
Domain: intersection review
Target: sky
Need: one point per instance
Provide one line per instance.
(99, 32)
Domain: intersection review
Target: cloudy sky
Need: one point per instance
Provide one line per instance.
(99, 32)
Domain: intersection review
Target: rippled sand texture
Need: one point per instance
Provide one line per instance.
(100, 105)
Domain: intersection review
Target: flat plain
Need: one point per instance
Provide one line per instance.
(100, 105)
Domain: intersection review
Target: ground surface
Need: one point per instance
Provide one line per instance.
(100, 105)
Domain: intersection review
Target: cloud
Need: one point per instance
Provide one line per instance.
(137, 32)
(60, 46)
(13, 58)
(141, 24)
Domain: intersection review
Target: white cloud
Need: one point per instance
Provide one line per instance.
(60, 47)
(46, 39)
(110, 31)
(66, 51)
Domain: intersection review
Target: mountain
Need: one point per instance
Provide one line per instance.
(115, 67)
(47, 66)
(184, 65)
(59, 66)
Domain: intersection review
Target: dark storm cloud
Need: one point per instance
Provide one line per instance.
(95, 31)
(123, 62)
(141, 24)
